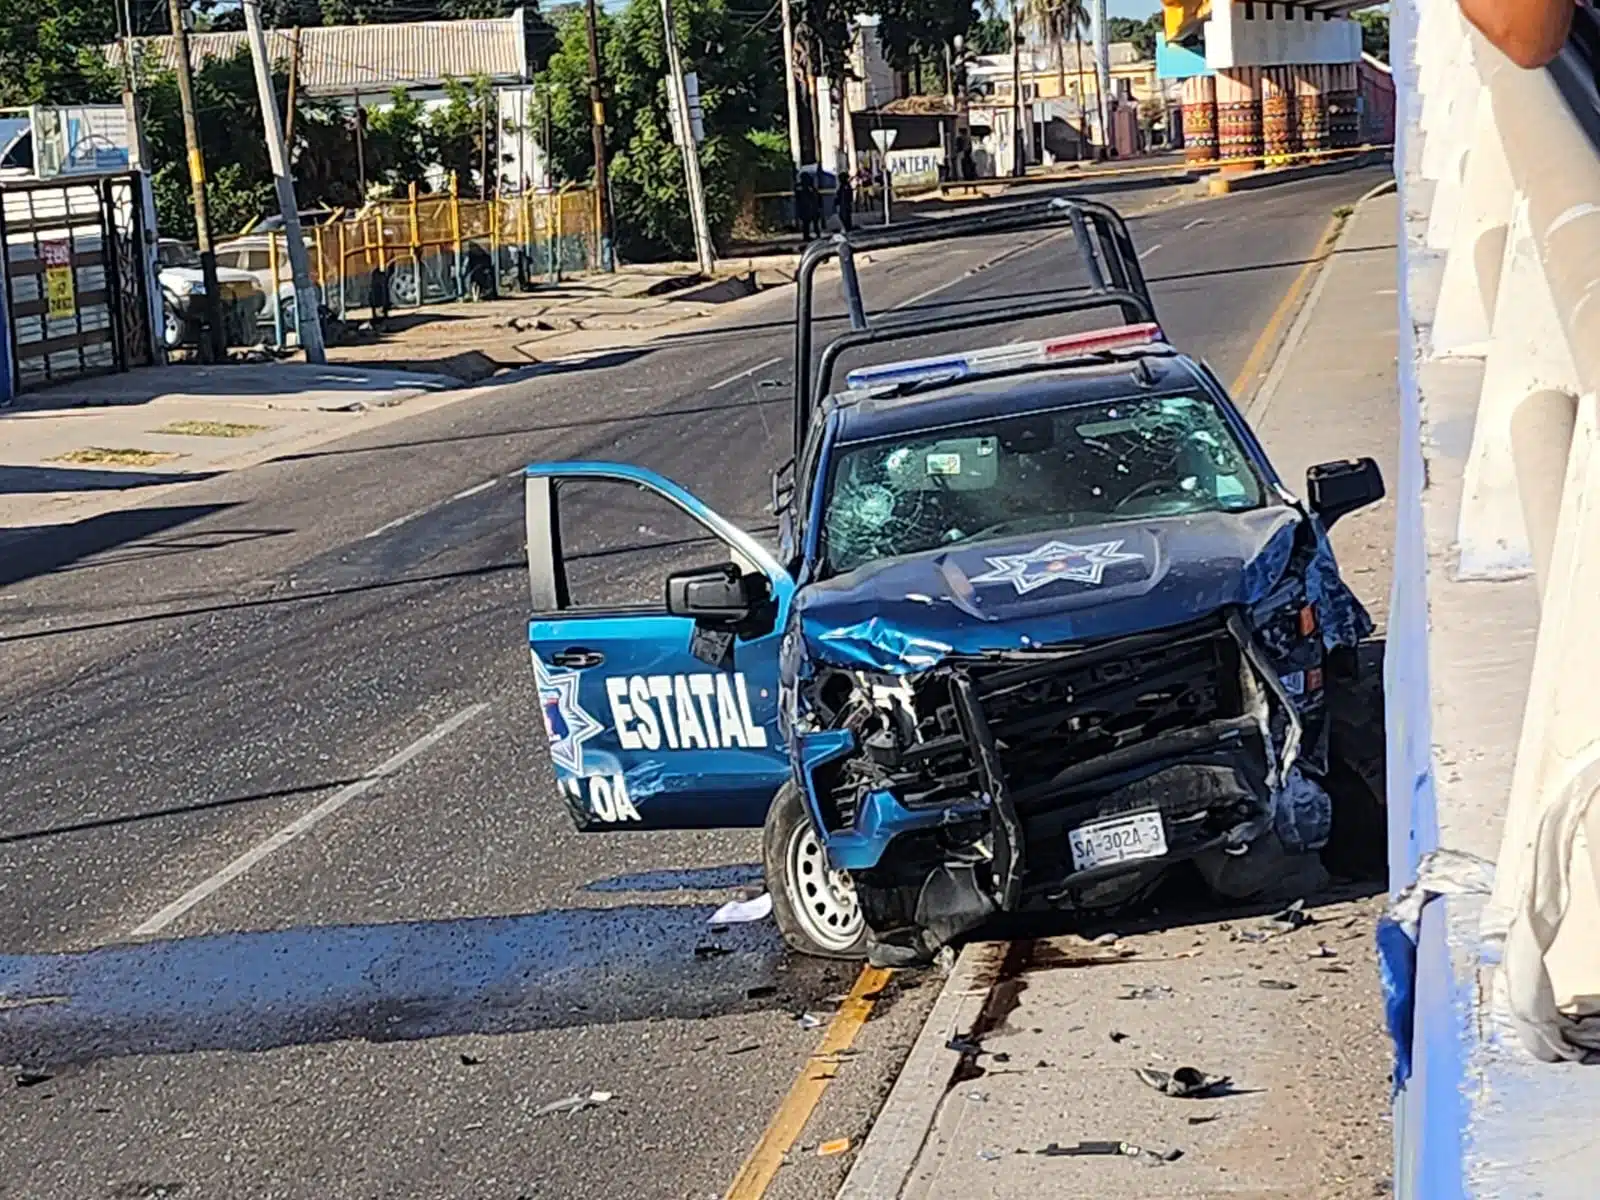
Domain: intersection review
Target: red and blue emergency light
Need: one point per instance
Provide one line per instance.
(951, 367)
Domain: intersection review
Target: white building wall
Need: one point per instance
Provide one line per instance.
(1233, 40)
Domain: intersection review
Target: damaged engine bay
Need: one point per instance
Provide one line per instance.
(995, 762)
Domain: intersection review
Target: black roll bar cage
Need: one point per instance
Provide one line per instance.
(1099, 232)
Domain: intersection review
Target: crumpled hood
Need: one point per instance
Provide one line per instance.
(906, 614)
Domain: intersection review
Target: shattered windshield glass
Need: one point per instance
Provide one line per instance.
(1146, 456)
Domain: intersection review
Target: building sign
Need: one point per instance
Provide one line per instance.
(60, 290)
(912, 169)
(79, 139)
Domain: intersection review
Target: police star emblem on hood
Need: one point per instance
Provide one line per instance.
(1053, 562)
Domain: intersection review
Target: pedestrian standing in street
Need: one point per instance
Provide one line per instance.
(809, 205)
(800, 203)
(378, 296)
(845, 201)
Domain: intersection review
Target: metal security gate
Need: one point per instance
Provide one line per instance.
(76, 286)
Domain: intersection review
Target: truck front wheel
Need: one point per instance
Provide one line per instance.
(815, 906)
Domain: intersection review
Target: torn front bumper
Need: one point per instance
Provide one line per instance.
(975, 774)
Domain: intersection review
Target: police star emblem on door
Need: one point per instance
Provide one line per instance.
(566, 722)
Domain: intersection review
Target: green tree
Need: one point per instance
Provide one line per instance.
(454, 136)
(228, 115)
(740, 95)
(49, 51)
(990, 35)
(922, 30)
(1375, 32)
(1141, 33)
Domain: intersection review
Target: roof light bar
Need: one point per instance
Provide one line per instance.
(950, 367)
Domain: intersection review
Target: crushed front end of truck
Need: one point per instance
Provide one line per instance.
(962, 763)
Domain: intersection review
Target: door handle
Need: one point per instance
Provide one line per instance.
(577, 658)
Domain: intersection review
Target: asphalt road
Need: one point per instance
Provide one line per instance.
(378, 1007)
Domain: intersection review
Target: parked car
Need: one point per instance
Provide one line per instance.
(183, 284)
(253, 253)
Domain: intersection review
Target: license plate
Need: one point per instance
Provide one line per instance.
(1121, 839)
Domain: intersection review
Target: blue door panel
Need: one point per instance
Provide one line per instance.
(642, 733)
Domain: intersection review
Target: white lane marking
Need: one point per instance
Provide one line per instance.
(1196, 221)
(722, 383)
(412, 516)
(992, 261)
(1149, 250)
(394, 524)
(304, 823)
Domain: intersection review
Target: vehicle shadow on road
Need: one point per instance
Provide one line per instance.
(393, 982)
(42, 549)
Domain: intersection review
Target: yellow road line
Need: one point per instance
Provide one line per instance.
(1274, 326)
(759, 1168)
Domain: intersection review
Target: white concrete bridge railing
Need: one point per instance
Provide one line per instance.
(1494, 655)
(1515, 210)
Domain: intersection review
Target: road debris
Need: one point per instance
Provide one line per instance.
(744, 1049)
(760, 991)
(1277, 985)
(1185, 1082)
(808, 1020)
(836, 1146)
(711, 950)
(1110, 1150)
(28, 1079)
(1323, 951)
(468, 1060)
(573, 1104)
(1204, 1118)
(1118, 1036)
(1105, 939)
(989, 1155)
(1149, 991)
(964, 1045)
(1292, 918)
(740, 912)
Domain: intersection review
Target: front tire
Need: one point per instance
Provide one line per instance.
(1357, 764)
(815, 906)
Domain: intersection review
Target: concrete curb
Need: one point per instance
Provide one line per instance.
(891, 1150)
(1222, 185)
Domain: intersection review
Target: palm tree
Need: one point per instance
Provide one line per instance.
(1050, 21)
(1080, 20)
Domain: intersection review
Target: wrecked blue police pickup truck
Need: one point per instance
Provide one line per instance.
(1042, 623)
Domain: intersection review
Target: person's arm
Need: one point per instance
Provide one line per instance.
(1528, 32)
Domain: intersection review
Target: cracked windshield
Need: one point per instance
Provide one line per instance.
(1155, 456)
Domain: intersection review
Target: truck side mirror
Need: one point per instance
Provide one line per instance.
(1334, 489)
(719, 595)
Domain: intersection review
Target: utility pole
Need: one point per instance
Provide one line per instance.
(130, 97)
(361, 148)
(691, 152)
(597, 107)
(309, 322)
(1019, 159)
(215, 343)
(788, 84)
(1102, 72)
(294, 84)
(483, 149)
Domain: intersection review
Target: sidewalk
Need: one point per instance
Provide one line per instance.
(95, 445)
(1295, 1018)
